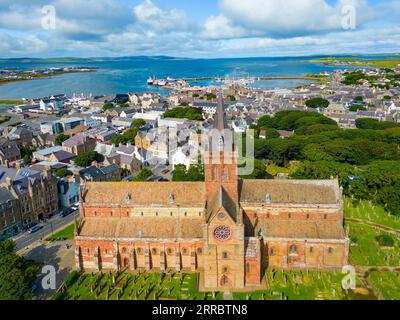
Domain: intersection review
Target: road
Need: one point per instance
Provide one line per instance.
(56, 222)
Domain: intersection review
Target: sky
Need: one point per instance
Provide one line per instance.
(197, 29)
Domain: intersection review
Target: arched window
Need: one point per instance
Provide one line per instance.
(225, 255)
(271, 251)
(123, 250)
(184, 251)
(169, 251)
(293, 249)
(225, 176)
(139, 250)
(154, 251)
(311, 249)
(126, 263)
(224, 281)
(225, 269)
(215, 173)
(330, 250)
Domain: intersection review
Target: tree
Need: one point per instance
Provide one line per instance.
(26, 153)
(108, 106)
(259, 172)
(190, 113)
(138, 123)
(194, 173)
(143, 175)
(16, 275)
(359, 99)
(270, 133)
(63, 172)
(355, 108)
(374, 124)
(128, 136)
(86, 159)
(61, 138)
(317, 103)
(266, 122)
(211, 96)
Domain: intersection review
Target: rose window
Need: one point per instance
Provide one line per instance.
(222, 233)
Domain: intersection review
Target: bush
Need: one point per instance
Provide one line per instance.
(63, 172)
(385, 240)
(317, 103)
(86, 159)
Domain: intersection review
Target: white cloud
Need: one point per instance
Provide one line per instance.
(155, 20)
(219, 27)
(283, 18)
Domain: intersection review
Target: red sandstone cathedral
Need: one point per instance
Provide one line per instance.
(227, 229)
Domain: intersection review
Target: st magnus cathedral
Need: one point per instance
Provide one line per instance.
(227, 229)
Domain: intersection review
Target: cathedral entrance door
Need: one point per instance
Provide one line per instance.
(224, 281)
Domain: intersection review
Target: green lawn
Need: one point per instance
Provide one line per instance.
(11, 102)
(145, 286)
(367, 211)
(299, 285)
(365, 250)
(67, 232)
(387, 284)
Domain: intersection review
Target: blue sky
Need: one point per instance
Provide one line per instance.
(191, 28)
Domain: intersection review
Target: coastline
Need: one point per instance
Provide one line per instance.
(41, 76)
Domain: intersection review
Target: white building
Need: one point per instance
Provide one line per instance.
(52, 104)
(105, 149)
(183, 155)
(149, 116)
(92, 123)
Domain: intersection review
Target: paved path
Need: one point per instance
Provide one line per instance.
(227, 295)
(55, 254)
(57, 222)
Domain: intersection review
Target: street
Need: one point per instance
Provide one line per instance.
(56, 222)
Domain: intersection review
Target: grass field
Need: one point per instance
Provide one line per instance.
(365, 249)
(145, 286)
(11, 102)
(67, 233)
(377, 63)
(367, 211)
(299, 285)
(387, 284)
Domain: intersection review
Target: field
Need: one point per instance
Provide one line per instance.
(145, 286)
(377, 63)
(299, 285)
(386, 284)
(67, 233)
(366, 211)
(11, 102)
(365, 249)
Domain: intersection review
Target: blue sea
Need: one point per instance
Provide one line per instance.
(122, 75)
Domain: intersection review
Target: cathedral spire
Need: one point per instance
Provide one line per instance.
(220, 122)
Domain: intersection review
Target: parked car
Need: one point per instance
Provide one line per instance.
(35, 229)
(66, 212)
(30, 225)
